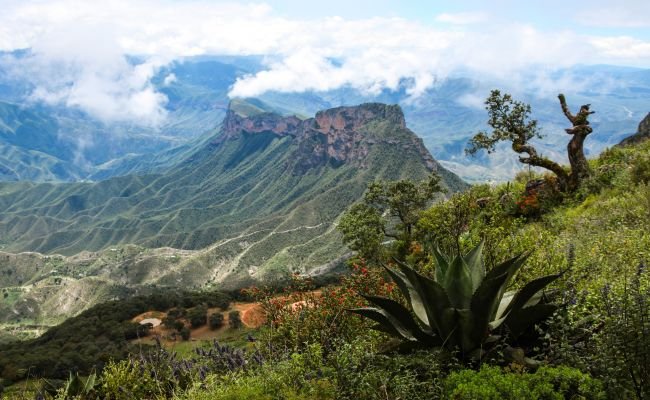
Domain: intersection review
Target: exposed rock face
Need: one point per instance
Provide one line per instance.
(335, 136)
(643, 133)
(233, 124)
(352, 118)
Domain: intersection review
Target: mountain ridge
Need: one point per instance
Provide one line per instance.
(445, 116)
(250, 206)
(642, 133)
(336, 129)
(218, 180)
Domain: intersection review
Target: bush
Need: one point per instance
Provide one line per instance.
(640, 169)
(216, 320)
(304, 316)
(234, 319)
(303, 376)
(124, 381)
(198, 316)
(622, 348)
(493, 383)
(185, 333)
(362, 373)
(176, 313)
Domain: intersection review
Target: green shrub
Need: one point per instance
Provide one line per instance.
(198, 316)
(303, 376)
(125, 381)
(362, 373)
(640, 168)
(234, 319)
(178, 325)
(493, 383)
(621, 352)
(216, 320)
(304, 316)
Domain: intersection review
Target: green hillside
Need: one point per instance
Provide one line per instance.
(247, 183)
(594, 347)
(30, 148)
(259, 200)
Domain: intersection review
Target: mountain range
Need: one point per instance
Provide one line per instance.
(228, 192)
(75, 146)
(258, 200)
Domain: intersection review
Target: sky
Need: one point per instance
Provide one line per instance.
(79, 49)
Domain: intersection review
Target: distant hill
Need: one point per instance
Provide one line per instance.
(258, 172)
(259, 200)
(445, 116)
(642, 133)
(52, 142)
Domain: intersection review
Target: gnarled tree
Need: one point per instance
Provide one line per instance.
(510, 121)
(389, 211)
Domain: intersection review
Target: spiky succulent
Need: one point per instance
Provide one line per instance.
(463, 306)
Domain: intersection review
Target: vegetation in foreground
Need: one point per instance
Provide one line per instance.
(595, 345)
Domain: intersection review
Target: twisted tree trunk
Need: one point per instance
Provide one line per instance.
(580, 130)
(534, 159)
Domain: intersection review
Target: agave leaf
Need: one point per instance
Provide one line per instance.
(496, 323)
(411, 294)
(449, 320)
(386, 329)
(426, 297)
(458, 283)
(74, 385)
(529, 292)
(477, 354)
(492, 339)
(518, 320)
(89, 385)
(470, 335)
(388, 322)
(401, 313)
(508, 267)
(474, 260)
(442, 265)
(486, 300)
(504, 303)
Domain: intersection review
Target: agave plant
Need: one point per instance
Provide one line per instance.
(463, 307)
(74, 388)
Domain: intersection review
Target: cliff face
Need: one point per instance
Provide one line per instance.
(335, 136)
(233, 124)
(643, 132)
(353, 118)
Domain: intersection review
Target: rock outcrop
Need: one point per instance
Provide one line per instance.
(643, 133)
(334, 136)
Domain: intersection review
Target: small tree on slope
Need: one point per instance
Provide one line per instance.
(509, 120)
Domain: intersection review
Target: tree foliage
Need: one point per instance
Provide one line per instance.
(234, 319)
(510, 122)
(389, 211)
(216, 320)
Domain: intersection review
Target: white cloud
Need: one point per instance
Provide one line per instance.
(169, 79)
(472, 100)
(80, 47)
(461, 18)
(81, 65)
(622, 47)
(625, 14)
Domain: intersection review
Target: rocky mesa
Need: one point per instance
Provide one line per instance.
(335, 136)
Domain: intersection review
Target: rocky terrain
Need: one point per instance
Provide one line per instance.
(642, 133)
(260, 200)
